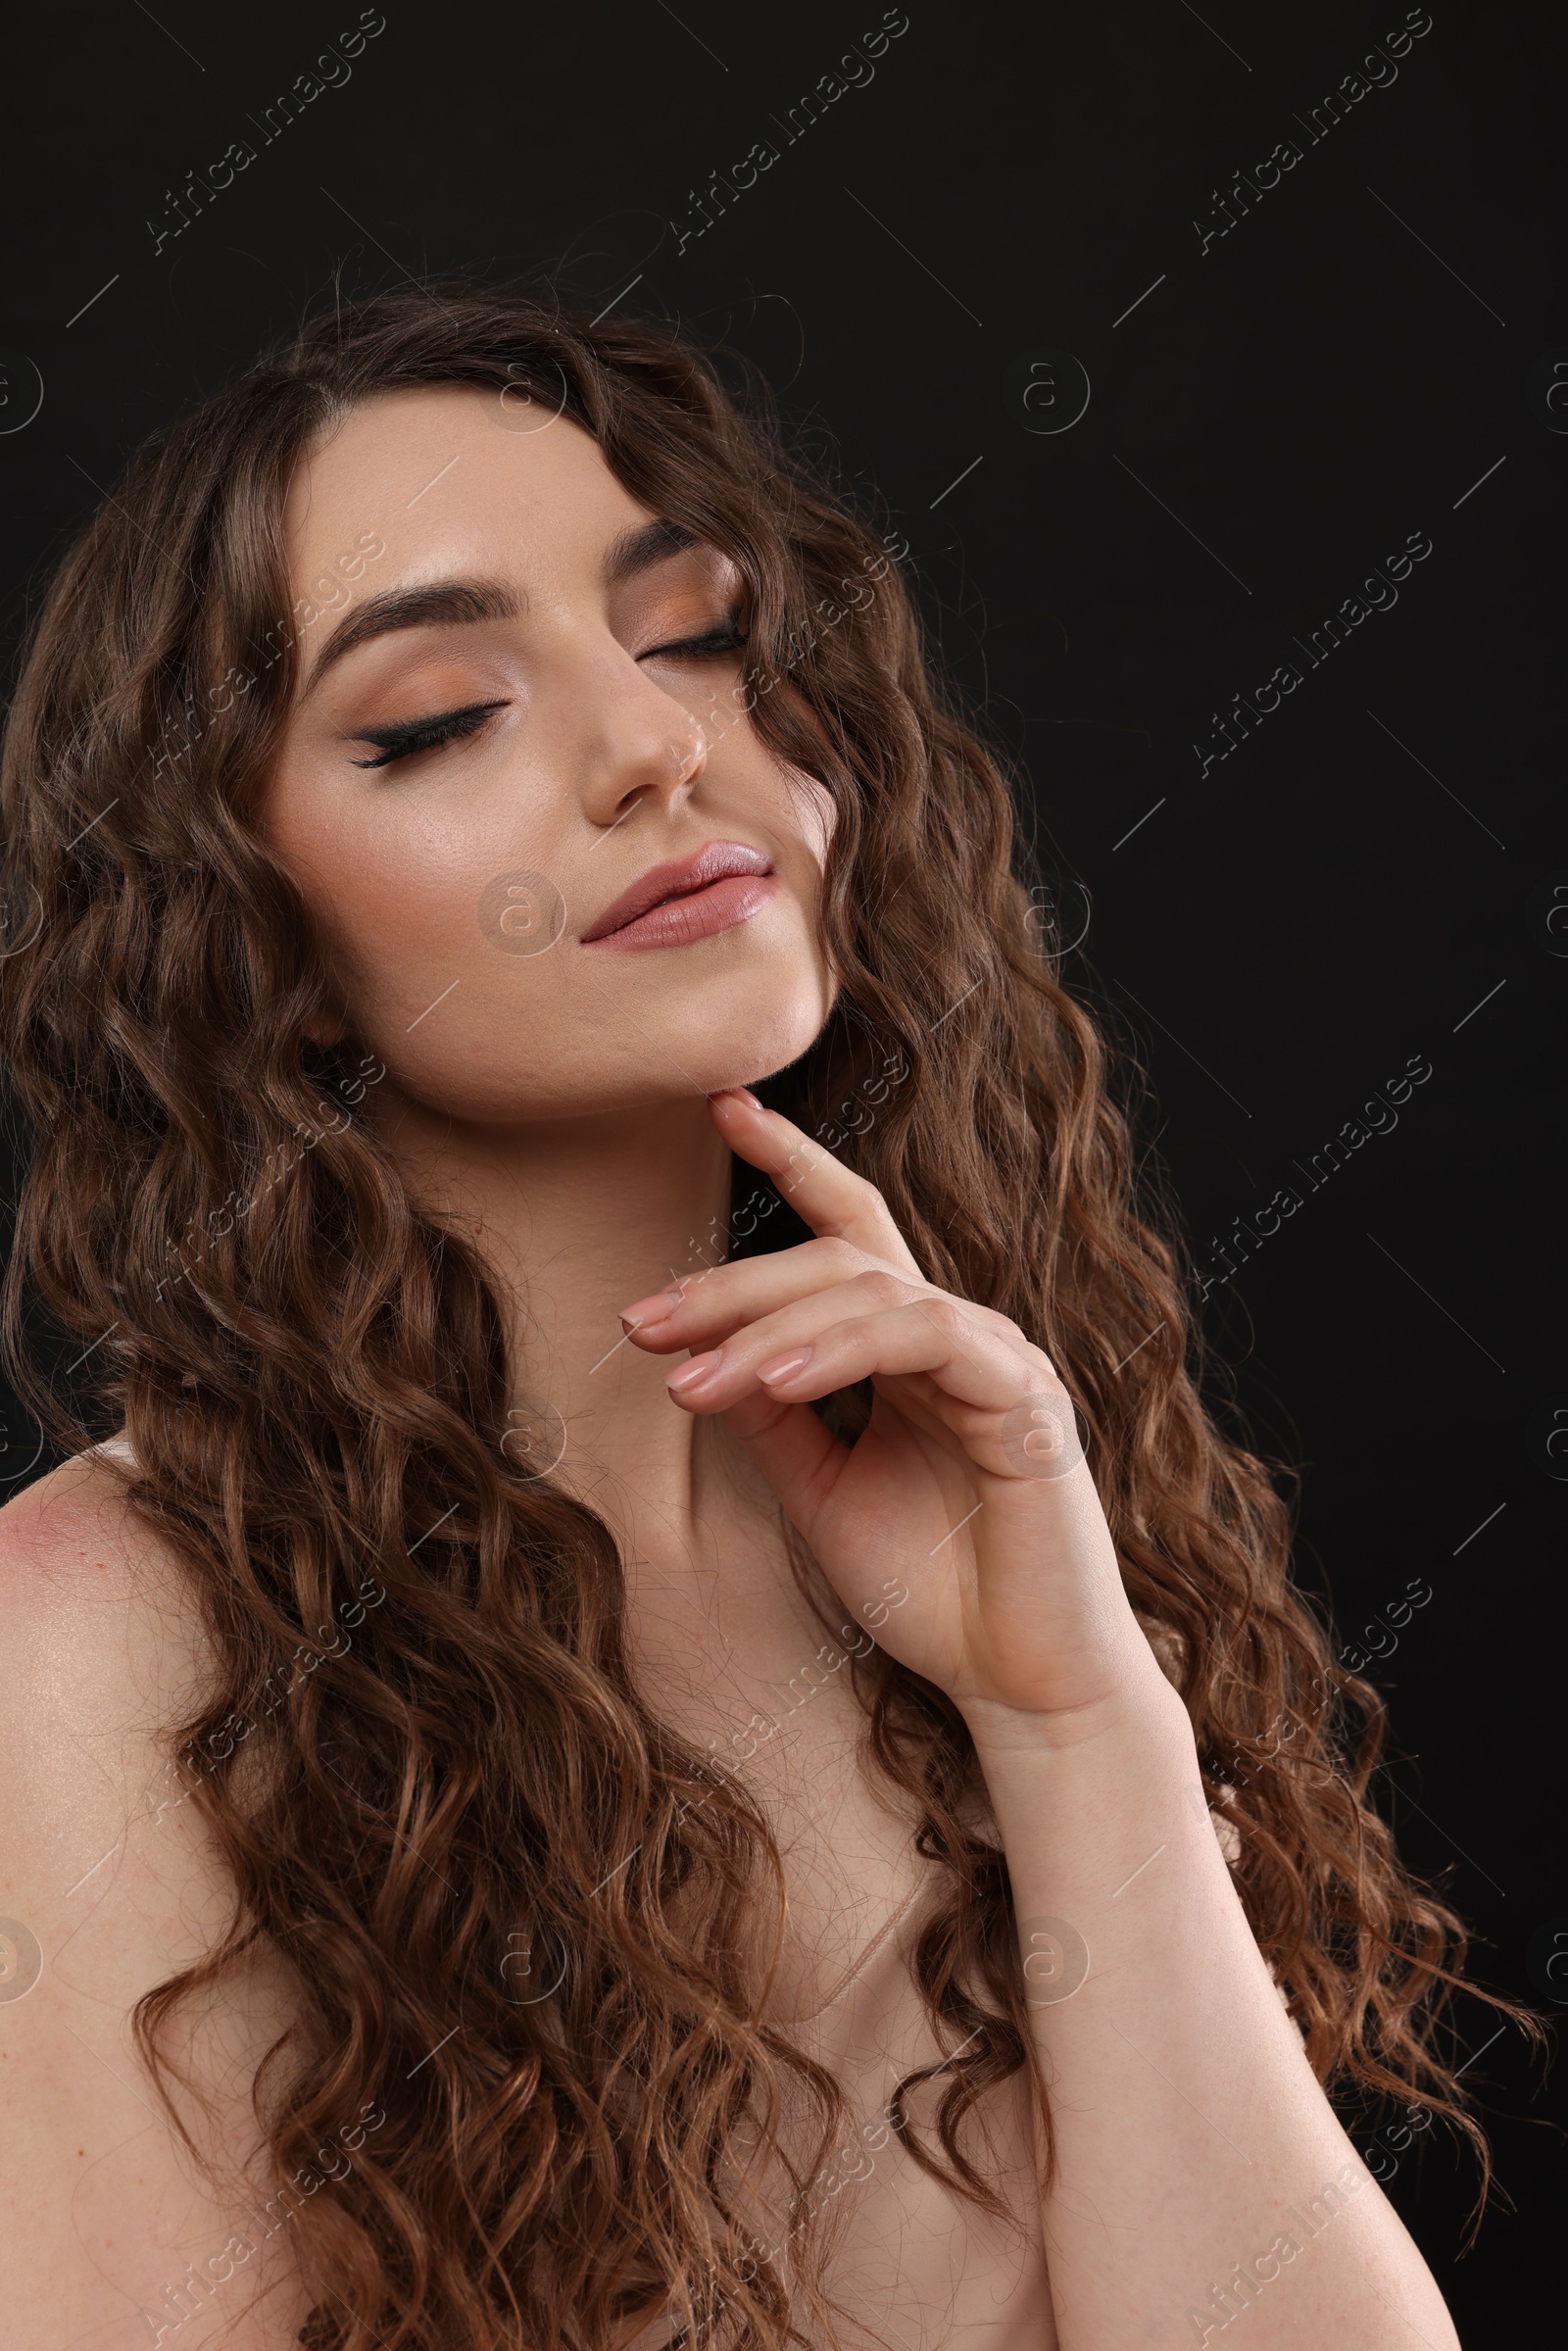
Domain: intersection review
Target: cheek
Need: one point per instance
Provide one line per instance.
(416, 895)
(801, 815)
(464, 992)
(376, 898)
(812, 819)
(448, 950)
(395, 923)
(817, 816)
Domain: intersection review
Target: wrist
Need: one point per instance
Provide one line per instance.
(1144, 1710)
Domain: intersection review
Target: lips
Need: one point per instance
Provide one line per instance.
(680, 878)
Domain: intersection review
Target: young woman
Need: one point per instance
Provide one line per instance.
(660, 1714)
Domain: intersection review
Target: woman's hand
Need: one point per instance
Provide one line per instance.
(963, 1526)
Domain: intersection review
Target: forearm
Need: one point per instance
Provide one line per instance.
(1193, 2140)
(1192, 2136)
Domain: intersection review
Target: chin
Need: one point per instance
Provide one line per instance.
(739, 1027)
(758, 1031)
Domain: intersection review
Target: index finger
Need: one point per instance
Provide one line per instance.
(836, 1202)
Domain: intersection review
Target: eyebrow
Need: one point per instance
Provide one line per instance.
(443, 603)
(462, 603)
(638, 551)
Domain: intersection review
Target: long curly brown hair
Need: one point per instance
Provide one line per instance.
(426, 1751)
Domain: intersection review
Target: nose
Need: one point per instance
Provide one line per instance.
(645, 745)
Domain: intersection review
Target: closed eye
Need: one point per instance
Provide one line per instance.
(728, 637)
(424, 734)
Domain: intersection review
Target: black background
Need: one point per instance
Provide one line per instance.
(1345, 367)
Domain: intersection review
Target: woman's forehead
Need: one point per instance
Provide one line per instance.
(440, 470)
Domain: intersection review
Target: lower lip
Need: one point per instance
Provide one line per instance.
(700, 916)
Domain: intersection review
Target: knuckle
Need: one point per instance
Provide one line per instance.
(955, 1318)
(999, 1326)
(882, 1288)
(989, 1318)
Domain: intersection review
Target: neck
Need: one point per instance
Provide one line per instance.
(578, 1217)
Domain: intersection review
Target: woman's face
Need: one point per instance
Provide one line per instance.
(573, 671)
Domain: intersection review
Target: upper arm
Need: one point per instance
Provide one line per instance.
(102, 1655)
(106, 1888)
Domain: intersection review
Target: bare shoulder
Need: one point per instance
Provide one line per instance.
(97, 1619)
(110, 1883)
(103, 1648)
(50, 1519)
(72, 1534)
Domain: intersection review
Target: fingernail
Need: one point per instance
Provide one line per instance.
(695, 1373)
(741, 1093)
(783, 1367)
(656, 1309)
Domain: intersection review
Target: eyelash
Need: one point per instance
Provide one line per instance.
(425, 734)
(450, 726)
(728, 638)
